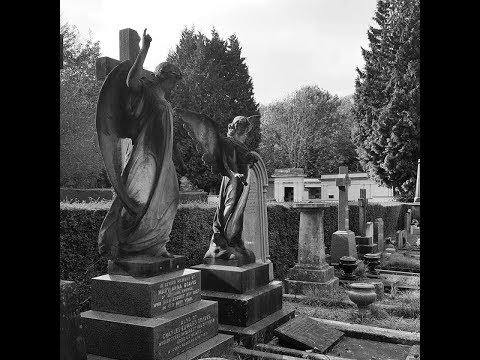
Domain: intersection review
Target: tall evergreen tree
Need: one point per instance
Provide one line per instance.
(387, 97)
(217, 83)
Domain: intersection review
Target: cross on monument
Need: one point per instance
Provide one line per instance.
(343, 182)
(362, 212)
(129, 48)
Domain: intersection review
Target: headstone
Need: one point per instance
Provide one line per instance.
(255, 220)
(364, 241)
(378, 236)
(304, 333)
(311, 272)
(343, 240)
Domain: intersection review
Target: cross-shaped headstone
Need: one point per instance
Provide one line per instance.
(343, 182)
(362, 212)
(129, 49)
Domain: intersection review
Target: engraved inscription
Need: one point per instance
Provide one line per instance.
(251, 218)
(190, 330)
(177, 292)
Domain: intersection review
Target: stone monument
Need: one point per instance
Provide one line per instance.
(343, 240)
(255, 220)
(148, 306)
(237, 271)
(364, 241)
(378, 237)
(311, 272)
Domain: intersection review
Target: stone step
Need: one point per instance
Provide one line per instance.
(302, 287)
(233, 279)
(146, 266)
(145, 297)
(248, 308)
(138, 338)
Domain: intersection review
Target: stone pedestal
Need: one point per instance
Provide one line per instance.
(249, 305)
(342, 244)
(311, 273)
(365, 245)
(154, 317)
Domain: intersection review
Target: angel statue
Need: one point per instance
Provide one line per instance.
(133, 105)
(230, 157)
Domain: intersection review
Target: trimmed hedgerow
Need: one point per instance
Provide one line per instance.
(192, 229)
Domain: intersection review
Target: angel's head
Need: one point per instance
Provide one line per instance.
(167, 75)
(239, 128)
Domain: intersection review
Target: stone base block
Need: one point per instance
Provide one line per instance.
(137, 338)
(364, 240)
(342, 244)
(259, 332)
(248, 308)
(145, 297)
(218, 346)
(304, 287)
(145, 266)
(233, 279)
(366, 249)
(313, 274)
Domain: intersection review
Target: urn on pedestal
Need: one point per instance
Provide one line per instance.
(348, 264)
(362, 294)
(372, 261)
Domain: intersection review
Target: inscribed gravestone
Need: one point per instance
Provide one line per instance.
(255, 221)
(305, 333)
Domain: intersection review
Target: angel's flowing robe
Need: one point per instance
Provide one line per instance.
(149, 177)
(231, 190)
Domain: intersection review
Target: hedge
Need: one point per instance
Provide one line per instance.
(80, 222)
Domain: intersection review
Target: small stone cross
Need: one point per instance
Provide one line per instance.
(343, 182)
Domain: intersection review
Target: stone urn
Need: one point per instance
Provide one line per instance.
(372, 261)
(362, 294)
(348, 264)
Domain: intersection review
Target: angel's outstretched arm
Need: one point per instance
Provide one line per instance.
(135, 73)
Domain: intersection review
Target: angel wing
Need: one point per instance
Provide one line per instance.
(112, 122)
(205, 132)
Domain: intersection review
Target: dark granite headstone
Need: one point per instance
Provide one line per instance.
(162, 337)
(304, 333)
(147, 297)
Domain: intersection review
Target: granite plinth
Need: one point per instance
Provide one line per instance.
(248, 308)
(303, 278)
(219, 345)
(145, 297)
(364, 240)
(304, 333)
(233, 279)
(310, 273)
(259, 332)
(160, 338)
(342, 244)
(145, 266)
(303, 287)
(366, 249)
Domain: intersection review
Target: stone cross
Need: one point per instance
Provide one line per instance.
(129, 49)
(343, 182)
(362, 212)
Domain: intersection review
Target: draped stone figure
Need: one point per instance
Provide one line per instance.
(133, 105)
(230, 157)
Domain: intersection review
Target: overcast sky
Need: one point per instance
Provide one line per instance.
(287, 43)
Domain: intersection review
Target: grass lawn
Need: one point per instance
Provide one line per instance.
(398, 311)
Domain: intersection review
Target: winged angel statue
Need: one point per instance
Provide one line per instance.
(133, 106)
(230, 157)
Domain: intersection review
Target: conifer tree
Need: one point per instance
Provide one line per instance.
(387, 98)
(216, 83)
